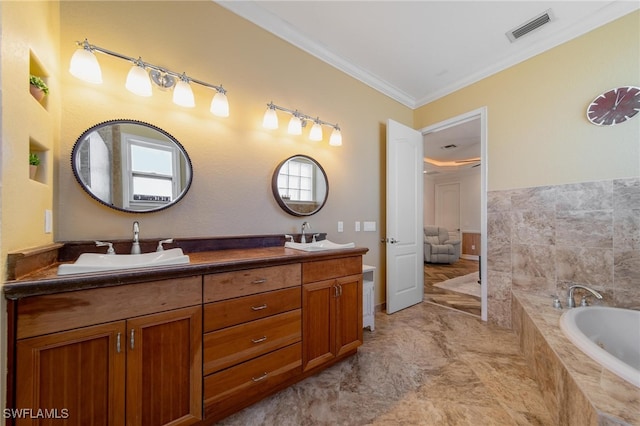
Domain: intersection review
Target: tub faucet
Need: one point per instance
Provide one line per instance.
(135, 246)
(571, 302)
(303, 238)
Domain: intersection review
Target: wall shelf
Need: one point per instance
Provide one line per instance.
(36, 68)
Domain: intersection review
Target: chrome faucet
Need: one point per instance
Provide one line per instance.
(135, 246)
(571, 303)
(303, 238)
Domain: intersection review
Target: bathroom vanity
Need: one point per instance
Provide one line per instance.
(180, 344)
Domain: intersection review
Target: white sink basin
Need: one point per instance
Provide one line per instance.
(318, 245)
(95, 262)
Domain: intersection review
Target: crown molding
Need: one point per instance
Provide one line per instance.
(253, 12)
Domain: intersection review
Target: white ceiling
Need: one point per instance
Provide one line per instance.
(418, 51)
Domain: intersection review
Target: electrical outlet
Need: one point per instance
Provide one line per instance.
(357, 226)
(340, 226)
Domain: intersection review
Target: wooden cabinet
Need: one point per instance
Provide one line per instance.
(332, 310)
(471, 243)
(181, 351)
(79, 373)
(252, 336)
(140, 370)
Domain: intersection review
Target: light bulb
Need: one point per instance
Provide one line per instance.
(220, 105)
(295, 126)
(270, 120)
(183, 95)
(316, 132)
(138, 81)
(336, 137)
(84, 65)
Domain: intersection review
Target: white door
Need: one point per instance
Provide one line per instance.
(404, 240)
(448, 208)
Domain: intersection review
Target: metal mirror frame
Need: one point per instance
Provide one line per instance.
(276, 192)
(82, 137)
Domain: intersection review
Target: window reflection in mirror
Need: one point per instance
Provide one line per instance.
(300, 186)
(131, 166)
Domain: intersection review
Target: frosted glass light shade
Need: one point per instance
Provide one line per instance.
(84, 65)
(220, 105)
(138, 81)
(270, 120)
(316, 132)
(295, 126)
(183, 95)
(336, 138)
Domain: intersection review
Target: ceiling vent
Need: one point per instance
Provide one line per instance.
(531, 25)
(450, 146)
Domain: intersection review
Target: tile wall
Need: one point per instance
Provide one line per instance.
(544, 239)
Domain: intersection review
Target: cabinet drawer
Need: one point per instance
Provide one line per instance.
(330, 269)
(232, 345)
(230, 312)
(65, 311)
(245, 381)
(228, 285)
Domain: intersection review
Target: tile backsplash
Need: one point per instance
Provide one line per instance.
(544, 239)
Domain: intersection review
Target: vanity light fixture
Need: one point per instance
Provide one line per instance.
(298, 121)
(84, 65)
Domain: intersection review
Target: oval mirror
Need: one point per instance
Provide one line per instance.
(300, 185)
(131, 166)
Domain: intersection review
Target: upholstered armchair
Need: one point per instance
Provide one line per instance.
(438, 248)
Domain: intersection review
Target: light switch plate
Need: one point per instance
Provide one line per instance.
(369, 226)
(48, 221)
(340, 226)
(357, 226)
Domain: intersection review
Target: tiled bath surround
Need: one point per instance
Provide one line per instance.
(576, 389)
(544, 239)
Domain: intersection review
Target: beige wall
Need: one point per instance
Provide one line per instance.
(233, 158)
(538, 133)
(29, 44)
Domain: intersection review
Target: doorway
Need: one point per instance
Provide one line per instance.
(455, 158)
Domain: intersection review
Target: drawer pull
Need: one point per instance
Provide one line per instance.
(262, 339)
(118, 343)
(259, 308)
(257, 379)
(259, 281)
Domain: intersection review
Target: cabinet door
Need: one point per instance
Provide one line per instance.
(349, 314)
(164, 368)
(76, 374)
(318, 324)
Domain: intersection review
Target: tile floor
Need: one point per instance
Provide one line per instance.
(425, 365)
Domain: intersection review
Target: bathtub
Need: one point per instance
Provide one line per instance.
(610, 336)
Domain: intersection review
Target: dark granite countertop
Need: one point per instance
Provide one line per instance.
(46, 281)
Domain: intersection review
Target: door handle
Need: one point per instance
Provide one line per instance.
(393, 241)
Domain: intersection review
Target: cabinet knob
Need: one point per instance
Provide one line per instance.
(257, 379)
(259, 308)
(261, 339)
